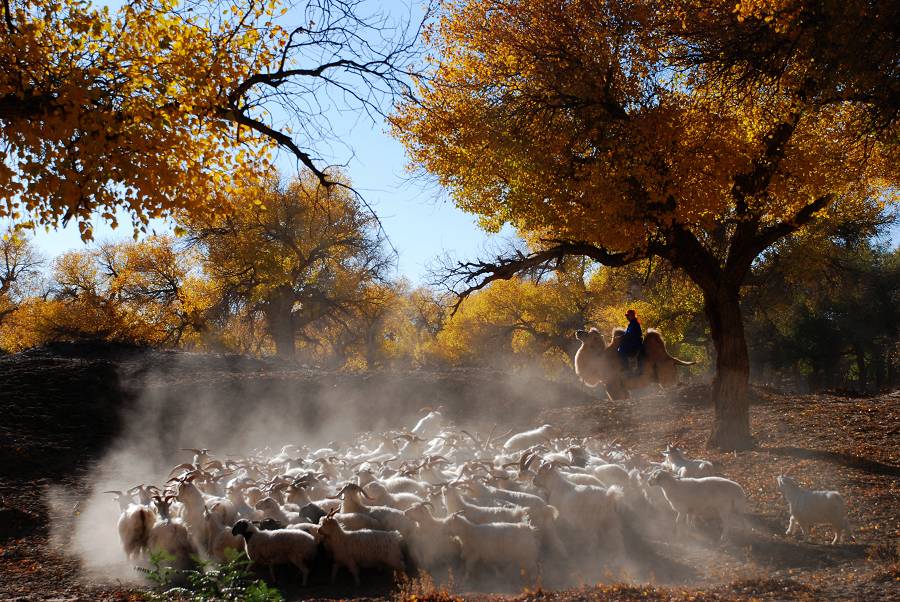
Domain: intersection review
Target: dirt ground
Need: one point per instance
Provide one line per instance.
(61, 408)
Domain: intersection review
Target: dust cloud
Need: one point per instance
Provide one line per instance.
(237, 412)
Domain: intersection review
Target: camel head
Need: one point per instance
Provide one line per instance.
(591, 338)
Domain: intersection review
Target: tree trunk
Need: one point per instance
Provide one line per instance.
(861, 368)
(731, 430)
(373, 348)
(280, 323)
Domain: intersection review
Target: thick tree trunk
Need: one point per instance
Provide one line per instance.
(280, 323)
(731, 429)
(373, 349)
(861, 380)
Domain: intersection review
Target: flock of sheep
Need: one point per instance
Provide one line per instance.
(436, 498)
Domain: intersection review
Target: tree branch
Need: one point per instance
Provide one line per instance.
(237, 116)
(474, 276)
(773, 233)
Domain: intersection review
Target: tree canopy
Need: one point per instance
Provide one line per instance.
(294, 251)
(160, 106)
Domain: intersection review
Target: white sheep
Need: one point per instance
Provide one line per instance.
(431, 544)
(195, 510)
(365, 548)
(390, 519)
(484, 492)
(579, 478)
(584, 508)
(480, 514)
(395, 484)
(170, 536)
(271, 509)
(808, 508)
(497, 545)
(678, 463)
(429, 426)
(612, 474)
(382, 497)
(134, 527)
(692, 497)
(353, 521)
(283, 546)
(123, 498)
(526, 439)
(221, 537)
(544, 520)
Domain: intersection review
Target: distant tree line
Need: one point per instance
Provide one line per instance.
(301, 271)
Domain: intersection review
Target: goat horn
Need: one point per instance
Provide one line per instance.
(503, 436)
(186, 465)
(471, 436)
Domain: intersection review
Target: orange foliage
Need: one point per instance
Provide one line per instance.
(146, 293)
(565, 119)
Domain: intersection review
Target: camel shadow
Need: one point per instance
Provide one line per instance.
(841, 459)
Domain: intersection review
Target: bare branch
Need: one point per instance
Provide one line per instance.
(474, 276)
(771, 234)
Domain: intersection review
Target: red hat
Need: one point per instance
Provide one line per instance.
(630, 312)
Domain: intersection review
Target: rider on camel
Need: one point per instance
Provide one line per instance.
(630, 343)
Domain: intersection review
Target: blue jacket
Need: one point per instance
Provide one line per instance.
(631, 341)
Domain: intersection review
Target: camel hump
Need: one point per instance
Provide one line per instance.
(655, 348)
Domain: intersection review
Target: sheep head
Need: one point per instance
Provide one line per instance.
(786, 483)
(673, 452)
(659, 476)
(351, 488)
(419, 511)
(266, 503)
(243, 527)
(328, 526)
(163, 503)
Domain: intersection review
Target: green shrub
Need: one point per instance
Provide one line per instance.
(230, 580)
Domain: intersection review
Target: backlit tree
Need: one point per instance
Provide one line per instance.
(295, 252)
(160, 106)
(620, 131)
